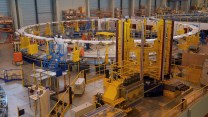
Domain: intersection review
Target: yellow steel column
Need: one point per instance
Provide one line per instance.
(106, 54)
(162, 50)
(119, 43)
(77, 26)
(62, 27)
(48, 30)
(168, 54)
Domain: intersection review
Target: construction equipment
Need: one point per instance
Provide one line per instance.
(106, 35)
(122, 86)
(76, 53)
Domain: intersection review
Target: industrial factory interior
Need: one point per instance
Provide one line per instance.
(103, 58)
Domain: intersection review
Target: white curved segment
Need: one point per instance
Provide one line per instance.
(22, 31)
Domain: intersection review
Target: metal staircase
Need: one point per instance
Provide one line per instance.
(51, 62)
(54, 62)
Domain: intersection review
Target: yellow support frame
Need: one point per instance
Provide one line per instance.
(62, 29)
(24, 42)
(48, 31)
(77, 26)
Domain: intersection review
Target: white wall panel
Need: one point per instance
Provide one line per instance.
(117, 3)
(144, 3)
(4, 7)
(104, 4)
(71, 4)
(136, 4)
(27, 12)
(93, 4)
(125, 7)
(45, 11)
(159, 3)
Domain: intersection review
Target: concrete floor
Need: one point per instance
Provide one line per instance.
(18, 96)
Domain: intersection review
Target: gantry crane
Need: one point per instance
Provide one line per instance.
(126, 82)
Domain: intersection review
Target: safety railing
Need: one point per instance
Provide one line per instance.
(186, 17)
(186, 102)
(65, 100)
(61, 107)
(127, 68)
(185, 73)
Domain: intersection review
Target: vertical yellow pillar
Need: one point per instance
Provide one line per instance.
(62, 27)
(119, 41)
(106, 54)
(77, 26)
(92, 25)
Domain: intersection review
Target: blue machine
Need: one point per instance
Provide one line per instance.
(55, 61)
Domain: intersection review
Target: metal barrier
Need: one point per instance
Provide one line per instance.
(11, 74)
(200, 17)
(185, 73)
(186, 102)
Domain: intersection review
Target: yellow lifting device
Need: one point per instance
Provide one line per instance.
(105, 34)
(126, 67)
(77, 26)
(76, 53)
(115, 91)
(24, 42)
(48, 31)
(62, 29)
(36, 30)
(33, 48)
